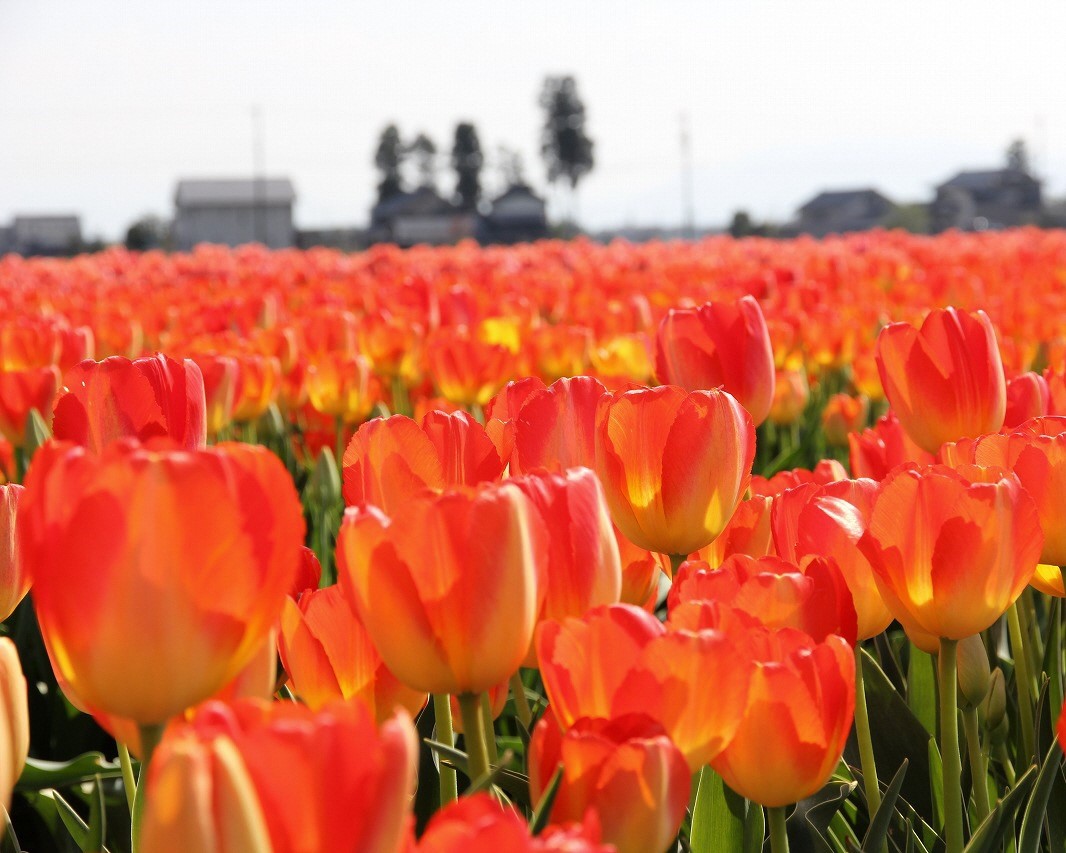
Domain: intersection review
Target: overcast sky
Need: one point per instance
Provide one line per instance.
(104, 104)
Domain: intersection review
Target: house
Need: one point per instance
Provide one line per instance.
(842, 211)
(420, 216)
(42, 235)
(234, 211)
(987, 199)
(518, 215)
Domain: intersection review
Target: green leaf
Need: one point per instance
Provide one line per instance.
(921, 688)
(897, 736)
(37, 433)
(542, 813)
(717, 817)
(936, 783)
(1033, 820)
(10, 842)
(39, 774)
(877, 834)
(754, 828)
(514, 783)
(97, 817)
(820, 814)
(989, 835)
(72, 821)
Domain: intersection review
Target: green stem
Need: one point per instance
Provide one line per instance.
(862, 735)
(1023, 682)
(151, 734)
(949, 745)
(442, 710)
(490, 729)
(128, 780)
(778, 832)
(675, 563)
(477, 753)
(977, 763)
(521, 701)
(1003, 757)
(20, 464)
(339, 443)
(1058, 684)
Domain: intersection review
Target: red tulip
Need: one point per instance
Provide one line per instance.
(944, 380)
(102, 401)
(556, 427)
(14, 579)
(20, 392)
(626, 771)
(876, 451)
(719, 345)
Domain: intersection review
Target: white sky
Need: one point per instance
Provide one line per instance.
(104, 104)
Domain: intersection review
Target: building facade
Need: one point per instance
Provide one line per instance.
(233, 212)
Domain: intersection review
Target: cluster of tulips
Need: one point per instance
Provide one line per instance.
(547, 603)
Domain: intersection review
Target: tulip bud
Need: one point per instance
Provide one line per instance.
(974, 675)
(14, 720)
(201, 798)
(994, 707)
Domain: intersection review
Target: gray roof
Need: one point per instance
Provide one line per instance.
(230, 191)
(834, 198)
(985, 179)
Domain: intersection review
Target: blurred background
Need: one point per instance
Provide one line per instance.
(321, 123)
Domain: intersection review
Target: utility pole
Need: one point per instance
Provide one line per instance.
(688, 215)
(258, 186)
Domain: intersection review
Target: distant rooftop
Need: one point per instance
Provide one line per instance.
(834, 198)
(203, 192)
(985, 179)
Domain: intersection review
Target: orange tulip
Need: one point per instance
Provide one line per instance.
(75, 345)
(28, 344)
(561, 350)
(748, 532)
(102, 401)
(843, 415)
(416, 580)
(826, 471)
(329, 655)
(14, 580)
(14, 720)
(812, 598)
(641, 571)
(200, 797)
(1036, 453)
(797, 719)
(943, 380)
(952, 549)
(502, 410)
(719, 345)
(259, 383)
(830, 521)
(626, 771)
(1028, 396)
(221, 377)
(157, 571)
(583, 567)
(21, 391)
(479, 824)
(326, 780)
(339, 385)
(791, 394)
(466, 369)
(876, 451)
(392, 345)
(389, 460)
(556, 427)
(621, 360)
(620, 660)
(674, 465)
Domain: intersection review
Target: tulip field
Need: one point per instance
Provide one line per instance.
(724, 547)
